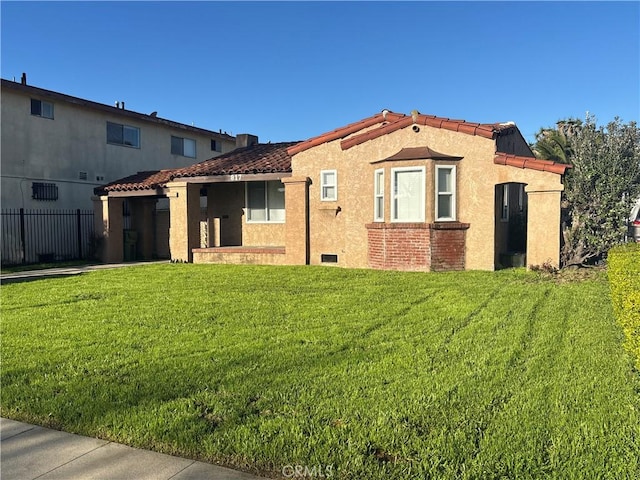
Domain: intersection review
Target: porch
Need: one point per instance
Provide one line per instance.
(229, 209)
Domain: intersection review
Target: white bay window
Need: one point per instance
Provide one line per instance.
(445, 193)
(378, 205)
(408, 189)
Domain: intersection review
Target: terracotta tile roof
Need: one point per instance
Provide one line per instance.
(258, 158)
(395, 121)
(415, 153)
(344, 131)
(486, 130)
(255, 159)
(137, 181)
(529, 162)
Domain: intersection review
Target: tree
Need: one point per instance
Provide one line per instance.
(554, 143)
(601, 186)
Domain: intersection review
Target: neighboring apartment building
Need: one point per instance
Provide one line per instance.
(57, 148)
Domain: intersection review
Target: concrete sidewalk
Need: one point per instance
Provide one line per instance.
(29, 452)
(29, 275)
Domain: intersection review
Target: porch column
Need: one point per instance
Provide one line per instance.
(184, 214)
(296, 202)
(108, 228)
(213, 221)
(142, 223)
(543, 226)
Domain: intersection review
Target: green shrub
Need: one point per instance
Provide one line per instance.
(624, 278)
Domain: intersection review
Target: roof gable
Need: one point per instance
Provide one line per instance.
(390, 122)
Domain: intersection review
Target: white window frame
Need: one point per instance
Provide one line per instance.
(323, 185)
(504, 203)
(182, 141)
(42, 114)
(124, 128)
(216, 145)
(421, 206)
(266, 203)
(378, 196)
(452, 193)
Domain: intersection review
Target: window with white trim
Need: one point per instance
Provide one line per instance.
(378, 195)
(408, 187)
(445, 193)
(265, 202)
(504, 203)
(125, 135)
(328, 185)
(183, 146)
(40, 108)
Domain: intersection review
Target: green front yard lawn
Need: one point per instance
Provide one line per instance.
(358, 374)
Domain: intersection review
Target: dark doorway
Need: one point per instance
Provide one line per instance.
(510, 225)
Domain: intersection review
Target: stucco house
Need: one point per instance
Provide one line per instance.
(392, 191)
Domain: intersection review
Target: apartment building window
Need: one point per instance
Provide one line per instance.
(44, 191)
(328, 185)
(445, 193)
(378, 205)
(407, 185)
(183, 146)
(125, 135)
(216, 145)
(265, 202)
(41, 109)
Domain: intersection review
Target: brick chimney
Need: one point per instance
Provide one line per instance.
(245, 140)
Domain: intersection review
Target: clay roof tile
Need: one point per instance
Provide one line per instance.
(255, 159)
(530, 163)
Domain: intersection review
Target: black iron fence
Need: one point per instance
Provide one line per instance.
(37, 236)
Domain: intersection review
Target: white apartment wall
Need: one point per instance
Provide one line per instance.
(36, 149)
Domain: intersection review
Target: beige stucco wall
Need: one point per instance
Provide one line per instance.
(41, 149)
(239, 258)
(184, 223)
(343, 232)
(263, 234)
(108, 224)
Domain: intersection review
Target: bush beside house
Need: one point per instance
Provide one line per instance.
(624, 278)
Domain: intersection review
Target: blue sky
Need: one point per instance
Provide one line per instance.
(293, 70)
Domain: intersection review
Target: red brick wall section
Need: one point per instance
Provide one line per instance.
(417, 246)
(448, 246)
(399, 246)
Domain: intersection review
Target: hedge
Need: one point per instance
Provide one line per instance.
(624, 279)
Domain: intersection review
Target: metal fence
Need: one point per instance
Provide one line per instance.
(37, 236)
